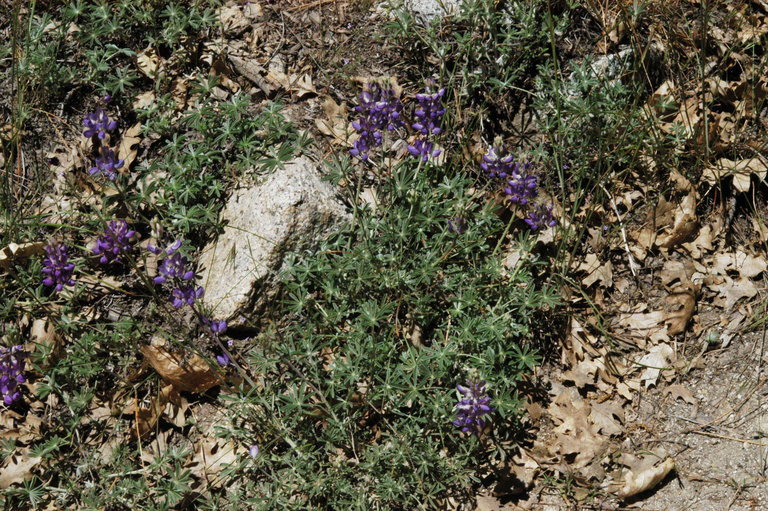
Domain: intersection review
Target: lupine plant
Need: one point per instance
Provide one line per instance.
(57, 269)
(472, 407)
(116, 240)
(520, 185)
(98, 124)
(428, 115)
(11, 372)
(381, 110)
(176, 270)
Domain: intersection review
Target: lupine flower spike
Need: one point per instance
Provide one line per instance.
(98, 124)
(540, 217)
(380, 109)
(472, 407)
(57, 268)
(175, 269)
(106, 163)
(11, 372)
(116, 240)
(429, 115)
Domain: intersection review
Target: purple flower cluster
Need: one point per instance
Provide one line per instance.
(216, 327)
(429, 115)
(540, 217)
(106, 163)
(117, 239)
(472, 407)
(175, 269)
(57, 268)
(11, 372)
(521, 186)
(98, 124)
(380, 109)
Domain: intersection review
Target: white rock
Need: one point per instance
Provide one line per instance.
(427, 9)
(291, 209)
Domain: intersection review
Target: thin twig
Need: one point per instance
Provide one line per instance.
(633, 266)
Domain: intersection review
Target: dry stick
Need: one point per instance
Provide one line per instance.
(633, 266)
(304, 7)
(725, 437)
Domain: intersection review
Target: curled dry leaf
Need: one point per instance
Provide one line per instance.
(18, 468)
(644, 475)
(212, 455)
(129, 145)
(335, 124)
(683, 298)
(596, 271)
(14, 252)
(656, 360)
(185, 372)
(680, 392)
(741, 170)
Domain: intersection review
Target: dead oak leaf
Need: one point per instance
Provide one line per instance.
(656, 360)
(18, 468)
(683, 298)
(644, 474)
(596, 271)
(680, 392)
(185, 372)
(128, 148)
(731, 291)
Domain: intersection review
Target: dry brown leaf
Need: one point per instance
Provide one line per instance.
(185, 372)
(335, 124)
(683, 297)
(607, 417)
(43, 337)
(731, 291)
(14, 252)
(596, 271)
(148, 62)
(211, 457)
(18, 468)
(144, 100)
(128, 147)
(233, 19)
(644, 474)
(741, 170)
(656, 360)
(685, 224)
(680, 392)
(644, 326)
(583, 374)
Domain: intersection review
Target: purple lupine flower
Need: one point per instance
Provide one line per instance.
(175, 270)
(57, 268)
(472, 407)
(185, 295)
(11, 372)
(522, 185)
(174, 266)
(253, 451)
(540, 217)
(170, 249)
(216, 327)
(497, 165)
(457, 225)
(106, 163)
(429, 113)
(223, 359)
(424, 149)
(97, 124)
(117, 239)
(380, 109)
